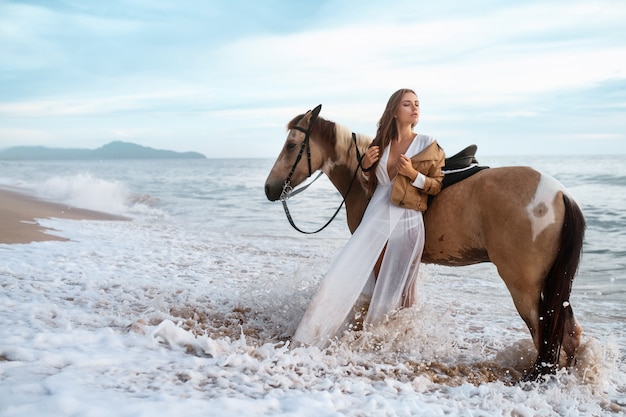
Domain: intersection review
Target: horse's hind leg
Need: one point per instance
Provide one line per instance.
(526, 294)
(525, 282)
(527, 305)
(526, 302)
(572, 335)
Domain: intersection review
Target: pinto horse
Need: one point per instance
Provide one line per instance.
(519, 219)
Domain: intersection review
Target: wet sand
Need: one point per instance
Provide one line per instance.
(19, 214)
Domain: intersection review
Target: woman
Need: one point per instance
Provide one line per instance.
(381, 259)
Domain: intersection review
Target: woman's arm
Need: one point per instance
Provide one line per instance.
(431, 181)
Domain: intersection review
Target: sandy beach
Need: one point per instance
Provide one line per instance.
(19, 214)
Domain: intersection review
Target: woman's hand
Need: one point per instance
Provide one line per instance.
(370, 157)
(406, 168)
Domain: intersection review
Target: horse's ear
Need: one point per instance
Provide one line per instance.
(316, 111)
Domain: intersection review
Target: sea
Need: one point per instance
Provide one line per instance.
(188, 307)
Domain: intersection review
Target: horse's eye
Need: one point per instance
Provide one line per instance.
(291, 146)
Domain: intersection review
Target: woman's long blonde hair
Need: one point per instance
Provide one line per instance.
(386, 132)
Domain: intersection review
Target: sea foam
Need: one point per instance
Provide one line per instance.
(85, 191)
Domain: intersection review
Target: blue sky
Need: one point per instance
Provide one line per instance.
(224, 77)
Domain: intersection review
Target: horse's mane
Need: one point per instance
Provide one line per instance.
(339, 135)
(345, 141)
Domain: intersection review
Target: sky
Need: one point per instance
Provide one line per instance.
(224, 77)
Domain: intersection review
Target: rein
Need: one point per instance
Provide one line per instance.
(288, 190)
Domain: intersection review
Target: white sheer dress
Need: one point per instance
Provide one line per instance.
(352, 272)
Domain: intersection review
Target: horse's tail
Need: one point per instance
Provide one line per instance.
(554, 306)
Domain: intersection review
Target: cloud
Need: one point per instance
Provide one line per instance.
(102, 105)
(195, 71)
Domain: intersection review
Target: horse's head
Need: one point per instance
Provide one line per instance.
(300, 156)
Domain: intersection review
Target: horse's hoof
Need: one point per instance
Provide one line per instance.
(538, 372)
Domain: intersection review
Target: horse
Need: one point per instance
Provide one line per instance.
(522, 221)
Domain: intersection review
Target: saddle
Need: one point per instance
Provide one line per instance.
(460, 166)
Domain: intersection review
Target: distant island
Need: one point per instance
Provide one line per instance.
(113, 150)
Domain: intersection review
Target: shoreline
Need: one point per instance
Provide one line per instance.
(19, 213)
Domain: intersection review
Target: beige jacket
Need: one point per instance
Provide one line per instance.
(429, 162)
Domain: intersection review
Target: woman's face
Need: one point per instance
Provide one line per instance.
(408, 111)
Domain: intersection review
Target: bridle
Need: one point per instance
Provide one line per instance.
(288, 190)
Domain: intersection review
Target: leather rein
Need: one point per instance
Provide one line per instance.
(288, 190)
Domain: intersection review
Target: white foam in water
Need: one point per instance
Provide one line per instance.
(85, 191)
(163, 320)
(190, 316)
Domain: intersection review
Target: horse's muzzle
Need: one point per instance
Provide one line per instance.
(273, 190)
